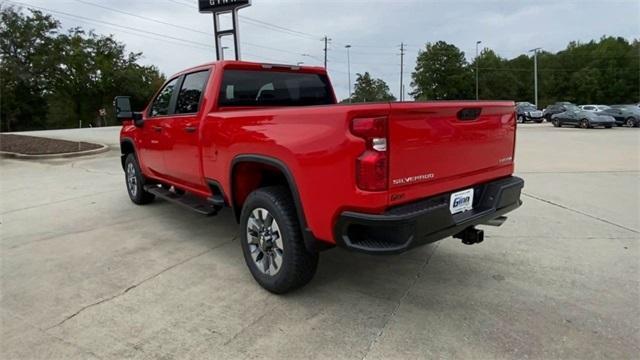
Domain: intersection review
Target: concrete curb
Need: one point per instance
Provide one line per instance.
(12, 155)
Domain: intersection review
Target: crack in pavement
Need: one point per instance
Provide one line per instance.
(58, 201)
(580, 212)
(397, 307)
(121, 293)
(73, 166)
(35, 327)
(255, 321)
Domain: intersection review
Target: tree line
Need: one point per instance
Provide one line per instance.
(606, 71)
(52, 79)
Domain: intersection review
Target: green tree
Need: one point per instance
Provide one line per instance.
(495, 80)
(368, 89)
(25, 67)
(442, 73)
(53, 80)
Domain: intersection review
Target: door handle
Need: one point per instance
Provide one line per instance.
(190, 129)
(157, 128)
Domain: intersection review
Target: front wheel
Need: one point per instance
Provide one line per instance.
(520, 119)
(557, 123)
(135, 182)
(272, 241)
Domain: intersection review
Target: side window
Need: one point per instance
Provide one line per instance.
(191, 92)
(161, 103)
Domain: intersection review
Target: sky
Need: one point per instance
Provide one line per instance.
(173, 35)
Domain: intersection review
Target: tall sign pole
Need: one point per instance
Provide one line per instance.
(221, 7)
(402, 72)
(535, 73)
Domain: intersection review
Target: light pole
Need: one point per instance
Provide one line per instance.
(348, 47)
(477, 69)
(535, 73)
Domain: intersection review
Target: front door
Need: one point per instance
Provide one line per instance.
(183, 161)
(154, 135)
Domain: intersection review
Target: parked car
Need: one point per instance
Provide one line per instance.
(528, 112)
(555, 109)
(302, 174)
(628, 115)
(594, 108)
(584, 119)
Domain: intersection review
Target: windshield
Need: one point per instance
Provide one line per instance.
(571, 107)
(273, 88)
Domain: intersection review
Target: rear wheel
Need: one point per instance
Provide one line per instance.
(135, 182)
(557, 123)
(520, 119)
(630, 122)
(584, 123)
(272, 241)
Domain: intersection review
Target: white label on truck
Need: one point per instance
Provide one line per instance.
(461, 201)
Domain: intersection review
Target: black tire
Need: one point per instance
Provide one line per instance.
(608, 126)
(630, 122)
(135, 182)
(520, 119)
(584, 123)
(557, 123)
(298, 265)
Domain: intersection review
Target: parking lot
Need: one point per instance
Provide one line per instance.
(86, 274)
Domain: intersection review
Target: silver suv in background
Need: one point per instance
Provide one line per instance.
(528, 112)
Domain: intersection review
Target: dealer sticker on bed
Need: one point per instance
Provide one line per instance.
(461, 201)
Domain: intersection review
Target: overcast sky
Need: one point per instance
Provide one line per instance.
(375, 29)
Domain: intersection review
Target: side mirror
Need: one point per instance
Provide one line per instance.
(122, 105)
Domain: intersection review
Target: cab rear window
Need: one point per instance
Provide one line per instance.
(273, 88)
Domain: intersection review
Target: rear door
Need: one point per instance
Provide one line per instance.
(154, 135)
(183, 161)
(440, 146)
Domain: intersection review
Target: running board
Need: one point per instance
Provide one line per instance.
(208, 207)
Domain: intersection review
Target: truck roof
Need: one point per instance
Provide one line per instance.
(248, 65)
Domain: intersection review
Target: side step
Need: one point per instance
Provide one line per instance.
(208, 207)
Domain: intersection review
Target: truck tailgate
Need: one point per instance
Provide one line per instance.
(443, 146)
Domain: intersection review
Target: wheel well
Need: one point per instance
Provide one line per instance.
(126, 148)
(247, 176)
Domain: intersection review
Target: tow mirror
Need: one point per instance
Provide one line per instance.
(122, 105)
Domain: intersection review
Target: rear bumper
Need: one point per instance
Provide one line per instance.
(404, 227)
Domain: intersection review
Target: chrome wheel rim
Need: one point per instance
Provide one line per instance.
(630, 123)
(265, 242)
(132, 180)
(585, 124)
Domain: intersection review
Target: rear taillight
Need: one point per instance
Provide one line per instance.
(372, 166)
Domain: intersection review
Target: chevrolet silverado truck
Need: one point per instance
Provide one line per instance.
(302, 174)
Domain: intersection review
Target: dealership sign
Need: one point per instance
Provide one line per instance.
(222, 5)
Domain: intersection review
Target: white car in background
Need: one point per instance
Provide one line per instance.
(594, 108)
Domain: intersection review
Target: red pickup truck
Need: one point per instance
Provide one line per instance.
(302, 174)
